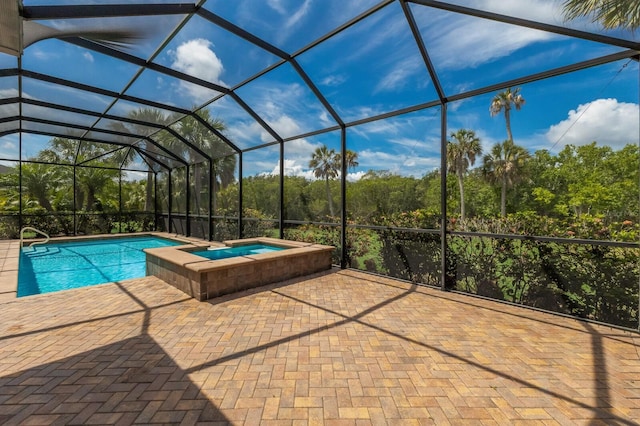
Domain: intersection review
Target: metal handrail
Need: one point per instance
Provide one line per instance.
(37, 231)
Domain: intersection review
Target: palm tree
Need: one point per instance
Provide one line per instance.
(351, 159)
(504, 165)
(611, 14)
(60, 150)
(504, 101)
(9, 188)
(93, 180)
(63, 150)
(224, 163)
(225, 171)
(327, 163)
(461, 154)
(38, 180)
(324, 165)
(225, 174)
(151, 115)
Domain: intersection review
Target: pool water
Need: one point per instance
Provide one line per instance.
(61, 266)
(225, 253)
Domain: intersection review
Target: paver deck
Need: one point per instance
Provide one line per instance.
(338, 348)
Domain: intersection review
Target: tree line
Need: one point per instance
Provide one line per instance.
(590, 180)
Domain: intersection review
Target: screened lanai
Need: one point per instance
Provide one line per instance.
(479, 147)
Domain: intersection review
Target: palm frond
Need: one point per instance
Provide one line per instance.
(611, 14)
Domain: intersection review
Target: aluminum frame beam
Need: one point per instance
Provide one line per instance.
(105, 11)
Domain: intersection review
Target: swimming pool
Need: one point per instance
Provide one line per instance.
(215, 253)
(61, 266)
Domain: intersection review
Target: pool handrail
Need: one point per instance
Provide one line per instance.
(37, 231)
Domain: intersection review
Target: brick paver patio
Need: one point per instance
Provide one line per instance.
(341, 348)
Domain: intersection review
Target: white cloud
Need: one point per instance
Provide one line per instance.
(359, 112)
(299, 14)
(277, 6)
(537, 10)
(605, 121)
(300, 148)
(333, 80)
(457, 41)
(347, 10)
(135, 176)
(413, 144)
(9, 148)
(379, 31)
(356, 176)
(292, 168)
(196, 58)
(283, 125)
(405, 164)
(9, 93)
(294, 17)
(478, 43)
(43, 55)
(397, 77)
(325, 119)
(243, 131)
(88, 56)
(286, 108)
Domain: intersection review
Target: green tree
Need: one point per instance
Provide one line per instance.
(480, 195)
(462, 150)
(351, 159)
(429, 189)
(224, 162)
(296, 198)
(595, 180)
(327, 163)
(261, 195)
(504, 102)
(133, 195)
(38, 180)
(381, 193)
(65, 151)
(610, 13)
(323, 162)
(93, 180)
(9, 189)
(151, 115)
(503, 165)
(90, 181)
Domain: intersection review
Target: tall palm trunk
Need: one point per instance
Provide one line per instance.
(148, 200)
(329, 197)
(461, 186)
(43, 200)
(214, 193)
(507, 118)
(197, 187)
(79, 198)
(503, 197)
(91, 199)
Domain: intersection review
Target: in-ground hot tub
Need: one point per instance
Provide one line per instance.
(207, 270)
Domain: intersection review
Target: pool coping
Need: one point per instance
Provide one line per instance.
(10, 255)
(181, 255)
(204, 278)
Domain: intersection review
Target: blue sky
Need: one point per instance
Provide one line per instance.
(369, 69)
